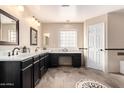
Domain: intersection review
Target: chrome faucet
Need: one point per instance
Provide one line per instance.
(37, 49)
(13, 51)
(65, 50)
(29, 50)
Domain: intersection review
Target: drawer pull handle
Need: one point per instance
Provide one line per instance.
(42, 58)
(36, 61)
(27, 60)
(26, 67)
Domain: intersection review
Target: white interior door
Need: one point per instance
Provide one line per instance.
(96, 46)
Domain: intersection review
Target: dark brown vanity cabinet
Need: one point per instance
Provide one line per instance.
(41, 65)
(27, 73)
(46, 62)
(54, 58)
(16, 74)
(36, 70)
(10, 74)
(76, 60)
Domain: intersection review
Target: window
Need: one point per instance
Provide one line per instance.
(68, 39)
(12, 35)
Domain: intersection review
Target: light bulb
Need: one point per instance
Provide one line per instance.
(21, 8)
(33, 19)
(38, 23)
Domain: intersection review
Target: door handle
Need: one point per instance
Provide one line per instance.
(101, 49)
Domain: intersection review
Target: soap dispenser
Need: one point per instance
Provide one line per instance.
(24, 49)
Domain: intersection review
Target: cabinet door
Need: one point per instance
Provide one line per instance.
(76, 60)
(54, 60)
(46, 62)
(36, 72)
(10, 74)
(27, 77)
(41, 62)
(42, 66)
(42, 71)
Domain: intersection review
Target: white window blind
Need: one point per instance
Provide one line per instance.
(68, 39)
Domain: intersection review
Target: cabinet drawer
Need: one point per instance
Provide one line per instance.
(27, 62)
(36, 74)
(76, 61)
(54, 60)
(41, 56)
(42, 63)
(36, 58)
(27, 77)
(42, 71)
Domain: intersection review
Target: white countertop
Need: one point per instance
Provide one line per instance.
(69, 52)
(19, 57)
(24, 56)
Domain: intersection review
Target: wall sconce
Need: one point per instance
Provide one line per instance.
(20, 8)
(47, 34)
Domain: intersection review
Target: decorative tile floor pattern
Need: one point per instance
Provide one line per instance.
(67, 77)
(90, 83)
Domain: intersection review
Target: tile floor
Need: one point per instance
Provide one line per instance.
(66, 77)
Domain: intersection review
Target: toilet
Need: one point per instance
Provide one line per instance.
(122, 67)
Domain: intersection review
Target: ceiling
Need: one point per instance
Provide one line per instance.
(73, 13)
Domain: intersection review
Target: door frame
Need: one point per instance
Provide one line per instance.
(104, 57)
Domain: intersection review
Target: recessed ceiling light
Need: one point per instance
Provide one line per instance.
(65, 5)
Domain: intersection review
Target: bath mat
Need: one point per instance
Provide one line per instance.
(89, 83)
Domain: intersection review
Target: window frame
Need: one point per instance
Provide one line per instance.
(76, 38)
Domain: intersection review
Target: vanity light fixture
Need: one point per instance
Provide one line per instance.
(20, 8)
(36, 20)
(47, 34)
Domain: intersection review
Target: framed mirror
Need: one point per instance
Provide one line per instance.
(9, 29)
(46, 38)
(33, 36)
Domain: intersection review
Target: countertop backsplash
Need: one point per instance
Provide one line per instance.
(60, 49)
(4, 50)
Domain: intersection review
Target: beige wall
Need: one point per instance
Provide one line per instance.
(0, 32)
(25, 22)
(116, 30)
(115, 40)
(54, 28)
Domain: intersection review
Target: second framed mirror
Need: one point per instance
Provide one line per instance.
(33, 36)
